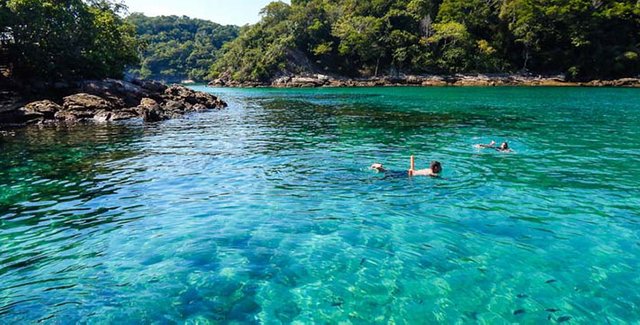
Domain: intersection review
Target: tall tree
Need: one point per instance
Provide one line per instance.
(62, 39)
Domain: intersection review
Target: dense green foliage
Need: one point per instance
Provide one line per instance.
(67, 39)
(179, 48)
(582, 38)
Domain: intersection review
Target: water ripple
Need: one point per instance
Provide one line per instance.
(267, 212)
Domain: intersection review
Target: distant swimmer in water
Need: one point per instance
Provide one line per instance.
(434, 169)
(491, 145)
(504, 147)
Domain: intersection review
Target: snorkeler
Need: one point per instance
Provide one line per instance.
(504, 147)
(434, 169)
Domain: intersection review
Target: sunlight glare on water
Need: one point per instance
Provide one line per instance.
(267, 212)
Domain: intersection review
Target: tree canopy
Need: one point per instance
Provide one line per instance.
(68, 39)
(582, 38)
(178, 48)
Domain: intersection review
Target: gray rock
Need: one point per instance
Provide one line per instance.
(199, 107)
(102, 116)
(148, 103)
(174, 106)
(73, 116)
(217, 83)
(181, 93)
(152, 115)
(86, 102)
(41, 109)
(124, 114)
(153, 86)
(119, 93)
(149, 109)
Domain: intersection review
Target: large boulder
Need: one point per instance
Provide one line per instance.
(209, 100)
(44, 109)
(152, 86)
(149, 104)
(181, 94)
(174, 106)
(85, 102)
(149, 109)
(189, 98)
(217, 83)
(120, 93)
(306, 82)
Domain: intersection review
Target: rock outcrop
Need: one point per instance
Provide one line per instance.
(482, 80)
(114, 100)
(44, 109)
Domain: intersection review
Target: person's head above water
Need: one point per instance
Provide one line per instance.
(504, 146)
(378, 167)
(436, 167)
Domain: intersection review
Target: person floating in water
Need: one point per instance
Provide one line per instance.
(504, 147)
(434, 169)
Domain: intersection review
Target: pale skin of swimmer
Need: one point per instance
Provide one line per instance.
(504, 147)
(434, 170)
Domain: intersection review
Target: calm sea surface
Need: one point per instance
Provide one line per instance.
(266, 212)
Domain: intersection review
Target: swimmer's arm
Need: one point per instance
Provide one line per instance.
(412, 166)
(422, 172)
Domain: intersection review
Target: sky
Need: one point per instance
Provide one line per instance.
(226, 12)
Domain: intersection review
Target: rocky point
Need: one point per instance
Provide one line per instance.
(113, 100)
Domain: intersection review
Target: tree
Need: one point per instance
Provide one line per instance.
(360, 39)
(178, 48)
(581, 38)
(69, 39)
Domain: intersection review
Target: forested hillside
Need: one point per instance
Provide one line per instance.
(52, 40)
(582, 38)
(178, 48)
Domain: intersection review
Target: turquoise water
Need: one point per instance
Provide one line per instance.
(266, 212)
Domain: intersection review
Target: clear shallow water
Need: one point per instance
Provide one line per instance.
(266, 212)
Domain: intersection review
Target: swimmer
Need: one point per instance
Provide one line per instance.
(378, 167)
(491, 145)
(504, 147)
(434, 169)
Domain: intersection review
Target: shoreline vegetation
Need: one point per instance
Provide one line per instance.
(588, 42)
(458, 80)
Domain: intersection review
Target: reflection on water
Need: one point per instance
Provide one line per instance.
(266, 212)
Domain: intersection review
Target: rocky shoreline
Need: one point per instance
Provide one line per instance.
(104, 101)
(469, 80)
